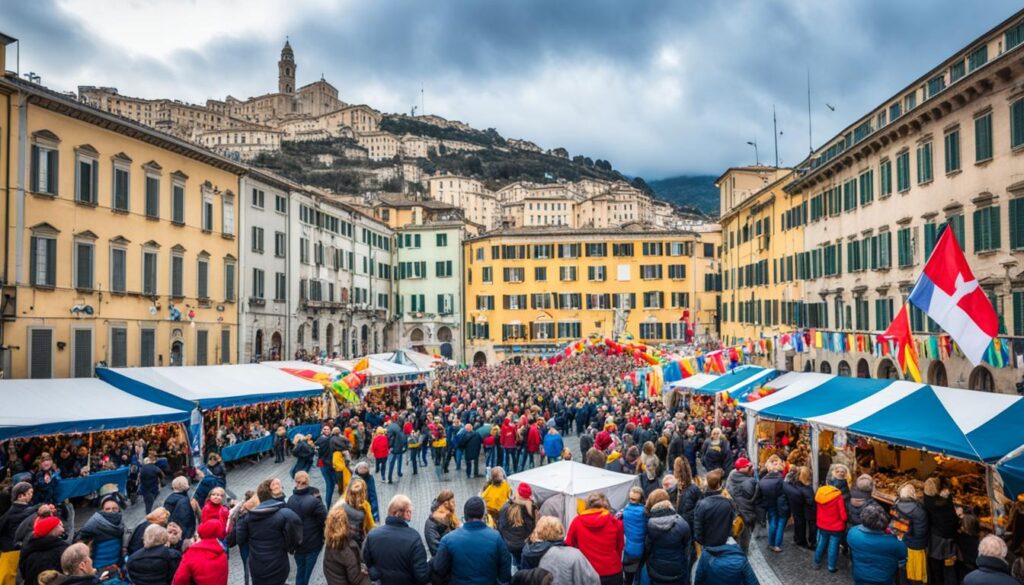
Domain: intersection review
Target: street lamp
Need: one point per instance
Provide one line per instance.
(757, 158)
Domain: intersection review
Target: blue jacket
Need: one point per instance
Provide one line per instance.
(553, 445)
(724, 565)
(473, 555)
(634, 524)
(877, 556)
(771, 494)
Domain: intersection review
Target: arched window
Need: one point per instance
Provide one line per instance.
(863, 369)
(981, 379)
(844, 369)
(826, 368)
(937, 374)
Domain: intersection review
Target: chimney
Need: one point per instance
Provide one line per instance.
(4, 41)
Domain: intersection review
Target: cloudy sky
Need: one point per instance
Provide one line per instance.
(657, 87)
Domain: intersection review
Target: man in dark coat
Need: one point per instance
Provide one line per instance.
(307, 505)
(272, 532)
(992, 567)
(471, 444)
(214, 476)
(21, 508)
(150, 477)
(398, 444)
(42, 551)
(394, 553)
(713, 517)
(323, 455)
(179, 505)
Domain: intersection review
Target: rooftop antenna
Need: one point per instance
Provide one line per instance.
(775, 128)
(810, 135)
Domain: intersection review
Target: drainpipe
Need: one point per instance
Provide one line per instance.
(243, 307)
(7, 217)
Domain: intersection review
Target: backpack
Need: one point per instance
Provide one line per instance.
(737, 519)
(901, 524)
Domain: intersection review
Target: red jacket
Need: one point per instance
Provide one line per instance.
(216, 512)
(533, 439)
(508, 435)
(204, 563)
(831, 509)
(379, 447)
(600, 538)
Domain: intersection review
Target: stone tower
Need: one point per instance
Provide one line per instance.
(286, 70)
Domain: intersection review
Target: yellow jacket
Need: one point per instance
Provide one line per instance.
(495, 496)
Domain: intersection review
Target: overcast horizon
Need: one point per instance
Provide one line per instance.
(659, 89)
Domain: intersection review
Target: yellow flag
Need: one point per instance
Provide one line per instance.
(361, 365)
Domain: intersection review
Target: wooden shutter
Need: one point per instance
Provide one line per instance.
(34, 179)
(225, 346)
(118, 270)
(82, 352)
(147, 346)
(118, 347)
(83, 262)
(202, 342)
(51, 171)
(41, 346)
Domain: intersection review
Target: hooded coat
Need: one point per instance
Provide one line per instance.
(712, 519)
(744, 492)
(668, 546)
(634, 525)
(533, 552)
(343, 566)
(205, 562)
(831, 509)
(858, 499)
(600, 538)
(568, 566)
(313, 514)
(105, 532)
(990, 571)
(272, 531)
(179, 506)
(473, 555)
(911, 512)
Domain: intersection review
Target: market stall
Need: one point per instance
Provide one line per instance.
(69, 406)
(900, 431)
(674, 389)
(390, 376)
(735, 384)
(206, 390)
(572, 482)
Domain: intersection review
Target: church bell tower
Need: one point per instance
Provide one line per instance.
(286, 70)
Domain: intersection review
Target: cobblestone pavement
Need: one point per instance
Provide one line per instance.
(792, 566)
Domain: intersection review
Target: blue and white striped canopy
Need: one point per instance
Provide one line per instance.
(972, 425)
(738, 382)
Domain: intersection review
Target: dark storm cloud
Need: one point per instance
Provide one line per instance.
(656, 87)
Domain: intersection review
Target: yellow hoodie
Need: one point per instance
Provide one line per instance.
(495, 496)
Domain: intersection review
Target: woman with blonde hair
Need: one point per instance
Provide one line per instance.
(357, 509)
(342, 560)
(547, 550)
(496, 492)
(800, 496)
(302, 449)
(715, 453)
(910, 523)
(516, 521)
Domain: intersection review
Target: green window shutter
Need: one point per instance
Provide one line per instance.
(1017, 223)
(1017, 124)
(983, 137)
(1018, 313)
(994, 228)
(977, 231)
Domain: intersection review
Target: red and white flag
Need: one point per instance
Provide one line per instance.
(948, 292)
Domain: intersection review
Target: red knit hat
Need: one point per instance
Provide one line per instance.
(524, 491)
(44, 526)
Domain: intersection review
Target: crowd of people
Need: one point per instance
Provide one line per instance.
(697, 504)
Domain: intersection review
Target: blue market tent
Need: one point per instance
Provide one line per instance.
(739, 381)
(75, 405)
(1012, 473)
(805, 395)
(210, 386)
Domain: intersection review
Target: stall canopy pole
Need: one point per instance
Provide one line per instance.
(815, 433)
(993, 502)
(752, 448)
(716, 412)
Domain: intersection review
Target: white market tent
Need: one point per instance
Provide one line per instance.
(75, 405)
(210, 387)
(301, 365)
(379, 366)
(694, 382)
(572, 481)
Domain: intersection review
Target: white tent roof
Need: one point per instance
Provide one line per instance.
(378, 367)
(74, 405)
(693, 382)
(210, 386)
(572, 480)
(301, 365)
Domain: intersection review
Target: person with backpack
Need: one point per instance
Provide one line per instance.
(634, 525)
(910, 524)
(398, 443)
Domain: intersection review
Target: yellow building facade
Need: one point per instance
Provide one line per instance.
(763, 257)
(530, 290)
(120, 244)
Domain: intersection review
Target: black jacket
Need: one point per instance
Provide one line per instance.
(303, 452)
(40, 554)
(801, 499)
(149, 479)
(472, 444)
(313, 514)
(667, 547)
(11, 520)
(514, 536)
(858, 500)
(180, 507)
(272, 531)
(433, 531)
(686, 502)
(323, 448)
(396, 438)
(136, 540)
(712, 520)
(942, 518)
(675, 449)
(771, 494)
(533, 552)
(153, 566)
(394, 554)
(914, 514)
(744, 492)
